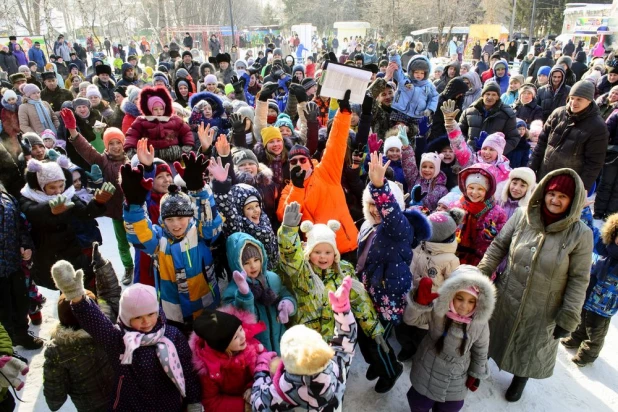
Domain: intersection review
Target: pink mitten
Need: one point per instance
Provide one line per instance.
(285, 310)
(241, 282)
(12, 371)
(340, 300)
(262, 364)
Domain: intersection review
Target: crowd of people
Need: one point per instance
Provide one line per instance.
(274, 228)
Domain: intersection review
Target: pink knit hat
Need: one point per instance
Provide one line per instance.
(137, 300)
(432, 158)
(496, 141)
(29, 89)
(154, 101)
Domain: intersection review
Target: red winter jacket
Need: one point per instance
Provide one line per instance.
(224, 380)
(161, 131)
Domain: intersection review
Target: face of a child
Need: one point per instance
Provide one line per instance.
(275, 146)
(249, 167)
(54, 188)
(557, 202)
(489, 154)
(420, 74)
(386, 97)
(522, 131)
(354, 120)
(158, 110)
(322, 256)
(542, 78)
(285, 131)
(514, 85)
(375, 213)
(115, 147)
(177, 225)
(38, 152)
(526, 96)
(12, 100)
(475, 192)
(517, 189)
(252, 267)
(441, 208)
(427, 170)
(464, 303)
(448, 155)
(144, 323)
(252, 211)
(77, 180)
(207, 111)
(272, 113)
(162, 182)
(211, 87)
(94, 100)
(239, 341)
(393, 154)
(49, 143)
(437, 74)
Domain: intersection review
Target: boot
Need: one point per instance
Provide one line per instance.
(128, 276)
(514, 392)
(386, 384)
(371, 375)
(28, 341)
(36, 318)
(570, 343)
(405, 354)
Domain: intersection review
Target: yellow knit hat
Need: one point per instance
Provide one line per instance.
(269, 133)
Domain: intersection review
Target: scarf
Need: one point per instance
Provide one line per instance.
(41, 197)
(276, 165)
(43, 114)
(549, 217)
(166, 352)
(262, 294)
(474, 210)
(11, 107)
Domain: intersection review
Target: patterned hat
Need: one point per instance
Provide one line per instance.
(299, 150)
(444, 224)
(243, 156)
(176, 204)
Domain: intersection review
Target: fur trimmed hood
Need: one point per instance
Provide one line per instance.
(205, 65)
(462, 278)
(159, 91)
(130, 108)
(95, 81)
(212, 99)
(609, 229)
(264, 176)
(61, 335)
(367, 200)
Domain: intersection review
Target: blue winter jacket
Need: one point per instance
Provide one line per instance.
(415, 100)
(602, 295)
(504, 80)
(37, 56)
(271, 337)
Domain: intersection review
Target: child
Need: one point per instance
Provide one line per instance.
(430, 185)
(446, 203)
(602, 300)
(519, 156)
(452, 359)
(207, 109)
(35, 146)
(311, 374)
(448, 164)
(272, 151)
(434, 259)
(517, 190)
(9, 109)
(225, 352)
(385, 245)
(320, 256)
(257, 290)
(536, 127)
(416, 95)
(512, 94)
(542, 76)
(484, 219)
(188, 224)
(140, 345)
(49, 140)
(400, 156)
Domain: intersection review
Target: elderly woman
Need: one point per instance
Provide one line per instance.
(541, 293)
(36, 115)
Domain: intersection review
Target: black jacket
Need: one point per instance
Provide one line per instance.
(8, 62)
(577, 141)
(540, 62)
(528, 112)
(500, 118)
(56, 98)
(604, 85)
(550, 99)
(454, 88)
(579, 66)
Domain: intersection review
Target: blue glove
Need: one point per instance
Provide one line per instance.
(423, 126)
(53, 155)
(403, 136)
(417, 195)
(95, 174)
(480, 140)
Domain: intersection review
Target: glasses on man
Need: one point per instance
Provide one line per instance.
(301, 160)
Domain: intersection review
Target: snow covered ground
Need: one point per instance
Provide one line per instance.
(593, 388)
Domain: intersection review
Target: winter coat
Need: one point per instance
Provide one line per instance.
(56, 97)
(8, 62)
(22, 60)
(131, 112)
(29, 120)
(13, 236)
(269, 192)
(538, 63)
(503, 81)
(225, 379)
(129, 392)
(435, 190)
(474, 92)
(476, 52)
(270, 337)
(193, 69)
(9, 116)
(322, 197)
(520, 156)
(605, 106)
(544, 284)
(601, 296)
(214, 46)
(577, 141)
(225, 77)
(500, 118)
(12, 165)
(217, 120)
(106, 89)
(454, 88)
(415, 100)
(322, 391)
(579, 66)
(187, 260)
(528, 112)
(434, 260)
(550, 99)
(604, 86)
(442, 376)
(76, 366)
(444, 79)
(111, 171)
(525, 65)
(230, 203)
(386, 272)
(37, 56)
(314, 311)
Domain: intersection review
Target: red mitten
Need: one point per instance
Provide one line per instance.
(68, 118)
(423, 292)
(263, 360)
(473, 383)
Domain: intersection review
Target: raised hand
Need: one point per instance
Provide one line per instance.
(53, 155)
(105, 193)
(292, 215)
(206, 136)
(480, 141)
(240, 278)
(374, 143)
(133, 184)
(97, 259)
(377, 169)
(267, 91)
(237, 122)
(367, 106)
(418, 195)
(424, 296)
(299, 91)
(68, 118)
(312, 111)
(95, 174)
(263, 360)
(223, 145)
(403, 135)
(70, 282)
(145, 154)
(450, 112)
(193, 172)
(59, 205)
(340, 300)
(217, 170)
(344, 104)
(285, 309)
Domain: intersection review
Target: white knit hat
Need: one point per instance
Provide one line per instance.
(137, 300)
(321, 233)
(496, 141)
(527, 175)
(433, 158)
(92, 90)
(367, 200)
(9, 94)
(478, 179)
(46, 172)
(392, 142)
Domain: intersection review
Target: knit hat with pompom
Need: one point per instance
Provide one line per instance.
(304, 352)
(321, 233)
(46, 172)
(444, 224)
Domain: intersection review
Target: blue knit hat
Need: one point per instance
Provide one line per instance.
(521, 123)
(284, 120)
(544, 70)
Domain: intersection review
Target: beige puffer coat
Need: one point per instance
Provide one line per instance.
(544, 283)
(29, 120)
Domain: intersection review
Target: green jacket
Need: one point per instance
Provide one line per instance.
(315, 311)
(271, 337)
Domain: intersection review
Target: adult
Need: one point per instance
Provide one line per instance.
(225, 73)
(105, 83)
(18, 52)
(411, 52)
(192, 67)
(36, 115)
(433, 47)
(108, 46)
(214, 45)
(568, 48)
(488, 114)
(35, 54)
(489, 47)
(25, 70)
(52, 93)
(512, 50)
(383, 93)
(525, 107)
(85, 117)
(566, 62)
(554, 94)
(608, 102)
(451, 71)
(456, 90)
(580, 65)
(148, 59)
(546, 60)
(62, 49)
(81, 67)
(609, 80)
(187, 41)
(526, 62)
(549, 252)
(473, 81)
(8, 62)
(476, 52)
(574, 136)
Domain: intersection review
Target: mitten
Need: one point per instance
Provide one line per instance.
(340, 300)
(403, 136)
(424, 296)
(26, 147)
(262, 364)
(69, 282)
(95, 174)
(105, 193)
(68, 118)
(298, 177)
(479, 141)
(344, 104)
(374, 143)
(473, 383)
(418, 195)
(560, 332)
(97, 259)
(367, 106)
(490, 231)
(53, 155)
(134, 186)
(299, 91)
(193, 172)
(58, 205)
(240, 278)
(267, 91)
(292, 215)
(423, 126)
(285, 309)
(13, 370)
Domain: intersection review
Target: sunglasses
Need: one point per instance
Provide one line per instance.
(301, 160)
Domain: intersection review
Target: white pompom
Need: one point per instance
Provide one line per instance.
(306, 226)
(334, 225)
(63, 161)
(34, 166)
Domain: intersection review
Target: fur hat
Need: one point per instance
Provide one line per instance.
(217, 328)
(609, 230)
(304, 352)
(187, 53)
(46, 172)
(110, 134)
(321, 233)
(48, 75)
(496, 141)
(146, 93)
(223, 58)
(418, 62)
(392, 142)
(444, 224)
(536, 127)
(522, 173)
(17, 77)
(518, 77)
(103, 69)
(81, 101)
(491, 86)
(528, 87)
(395, 189)
(434, 159)
(176, 204)
(137, 300)
(269, 133)
(242, 156)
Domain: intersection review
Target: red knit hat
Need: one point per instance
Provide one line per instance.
(112, 133)
(561, 183)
